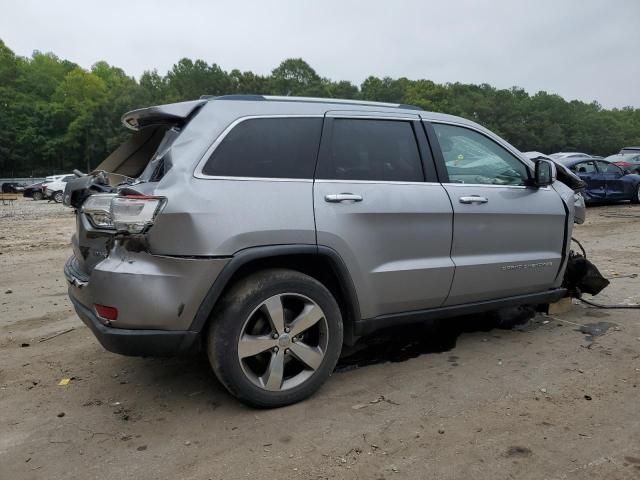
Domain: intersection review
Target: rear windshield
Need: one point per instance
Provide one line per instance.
(146, 155)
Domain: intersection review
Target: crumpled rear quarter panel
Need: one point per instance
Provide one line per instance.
(150, 291)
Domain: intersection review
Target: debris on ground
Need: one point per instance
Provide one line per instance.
(44, 339)
(592, 330)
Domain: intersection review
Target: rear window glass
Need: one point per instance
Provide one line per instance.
(268, 148)
(382, 150)
(607, 167)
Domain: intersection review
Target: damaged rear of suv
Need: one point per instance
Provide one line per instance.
(271, 231)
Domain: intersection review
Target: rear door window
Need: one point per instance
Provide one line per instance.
(268, 148)
(606, 167)
(376, 150)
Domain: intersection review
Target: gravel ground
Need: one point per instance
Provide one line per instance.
(553, 398)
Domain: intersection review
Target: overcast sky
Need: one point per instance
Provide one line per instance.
(584, 49)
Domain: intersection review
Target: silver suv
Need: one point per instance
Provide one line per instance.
(271, 231)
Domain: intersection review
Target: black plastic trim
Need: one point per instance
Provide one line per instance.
(369, 325)
(438, 158)
(257, 253)
(566, 239)
(137, 343)
(428, 163)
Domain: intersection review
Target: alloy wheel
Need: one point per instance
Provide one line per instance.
(283, 342)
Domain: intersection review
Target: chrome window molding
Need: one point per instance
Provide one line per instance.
(255, 179)
(359, 115)
(491, 185)
(384, 182)
(201, 163)
(341, 101)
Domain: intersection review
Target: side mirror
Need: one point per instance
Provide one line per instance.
(545, 173)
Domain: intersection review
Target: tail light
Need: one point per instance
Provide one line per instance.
(98, 209)
(126, 214)
(135, 214)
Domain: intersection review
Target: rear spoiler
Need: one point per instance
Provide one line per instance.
(173, 114)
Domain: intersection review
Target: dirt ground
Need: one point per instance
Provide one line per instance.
(554, 398)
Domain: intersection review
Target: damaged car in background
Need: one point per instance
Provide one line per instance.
(271, 231)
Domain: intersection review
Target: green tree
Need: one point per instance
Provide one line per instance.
(296, 77)
(56, 116)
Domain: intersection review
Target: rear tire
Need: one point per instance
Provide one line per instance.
(275, 338)
(636, 197)
(37, 196)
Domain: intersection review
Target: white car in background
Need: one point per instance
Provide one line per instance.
(53, 188)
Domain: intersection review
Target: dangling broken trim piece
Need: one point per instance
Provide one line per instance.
(582, 276)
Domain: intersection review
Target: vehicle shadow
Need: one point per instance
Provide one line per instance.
(398, 344)
(192, 380)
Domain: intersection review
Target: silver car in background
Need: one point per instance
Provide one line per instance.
(270, 231)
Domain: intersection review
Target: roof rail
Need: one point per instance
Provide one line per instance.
(277, 98)
(232, 97)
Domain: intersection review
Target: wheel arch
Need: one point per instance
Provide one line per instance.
(322, 263)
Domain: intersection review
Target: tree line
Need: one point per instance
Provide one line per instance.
(56, 116)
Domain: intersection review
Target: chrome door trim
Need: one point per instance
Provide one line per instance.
(471, 199)
(342, 197)
(490, 185)
(382, 182)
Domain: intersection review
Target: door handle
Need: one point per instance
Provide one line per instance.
(474, 199)
(342, 197)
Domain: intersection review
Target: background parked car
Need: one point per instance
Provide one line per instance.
(630, 150)
(561, 155)
(566, 176)
(54, 189)
(571, 180)
(34, 191)
(605, 181)
(12, 187)
(626, 161)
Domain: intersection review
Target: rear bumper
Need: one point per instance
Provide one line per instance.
(151, 292)
(151, 343)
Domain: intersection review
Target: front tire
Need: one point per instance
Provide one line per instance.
(275, 338)
(57, 197)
